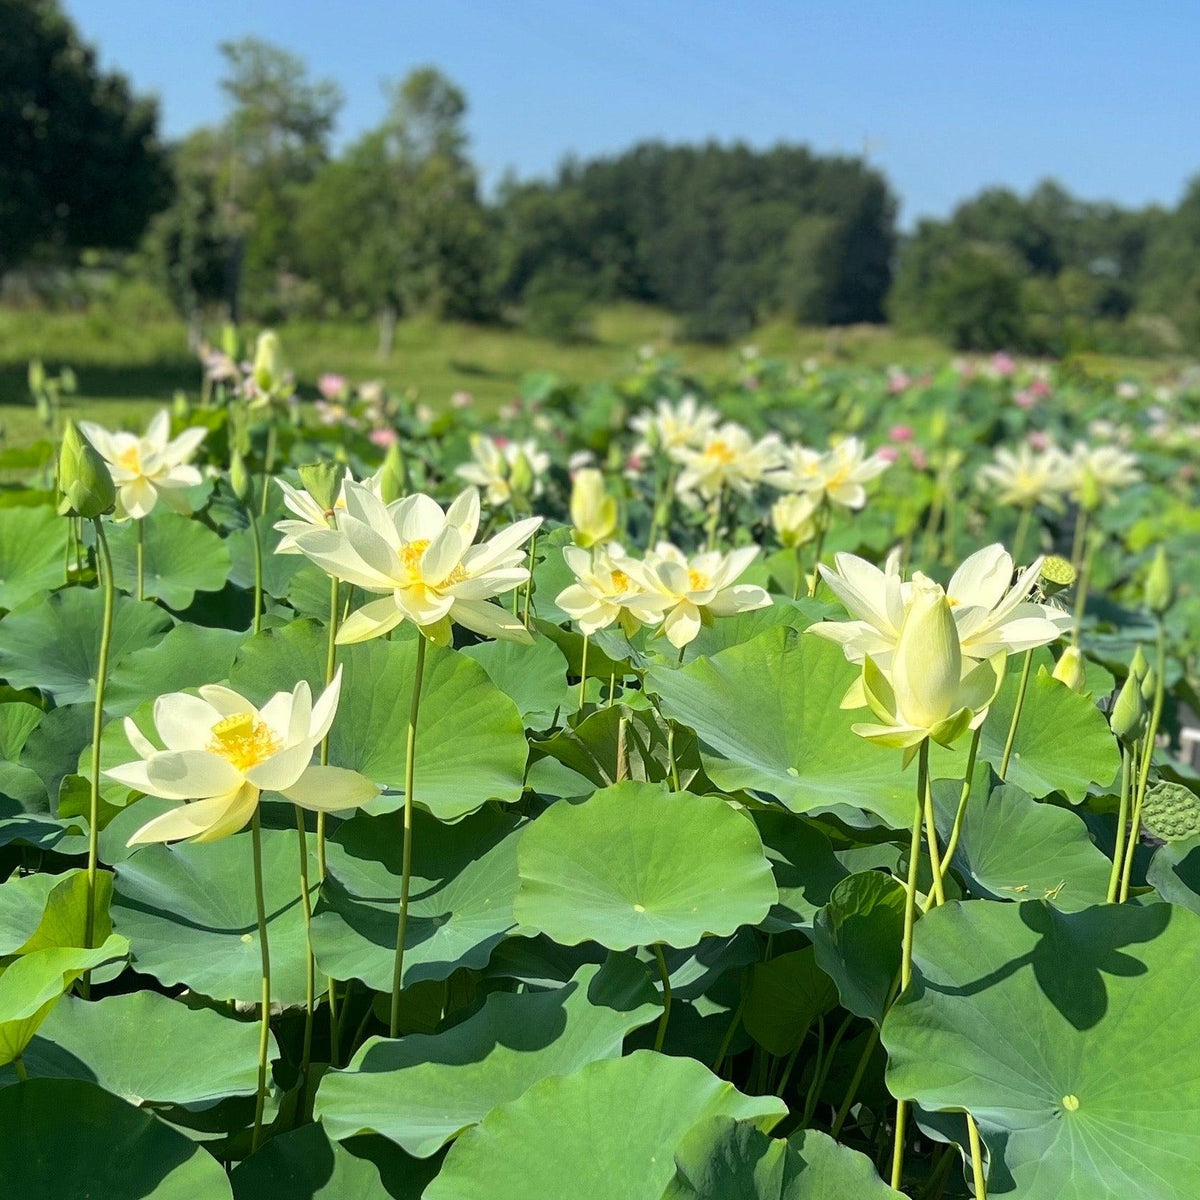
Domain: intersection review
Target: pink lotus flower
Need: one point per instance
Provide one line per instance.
(887, 453)
(900, 433)
(1039, 387)
(461, 400)
(1039, 439)
(1003, 365)
(384, 437)
(331, 386)
(918, 457)
(1025, 398)
(898, 381)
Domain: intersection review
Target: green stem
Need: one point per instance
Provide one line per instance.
(97, 728)
(529, 581)
(898, 1144)
(661, 516)
(19, 1067)
(1022, 532)
(256, 537)
(714, 520)
(665, 976)
(963, 797)
(410, 760)
(1143, 776)
(141, 559)
(855, 1081)
(727, 1040)
(264, 1035)
(583, 673)
(1016, 716)
(330, 668)
(671, 757)
(622, 764)
(310, 974)
(822, 520)
(1114, 878)
(976, 1159)
(1077, 539)
(268, 466)
(821, 1074)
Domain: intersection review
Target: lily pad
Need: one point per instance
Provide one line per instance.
(786, 995)
(608, 1132)
(635, 865)
(806, 868)
(33, 543)
(189, 913)
(182, 557)
(422, 1091)
(534, 676)
(1049, 1028)
(766, 713)
(66, 1137)
(1174, 873)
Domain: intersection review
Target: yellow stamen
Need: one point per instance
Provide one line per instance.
(410, 553)
(130, 459)
(720, 451)
(243, 740)
(697, 581)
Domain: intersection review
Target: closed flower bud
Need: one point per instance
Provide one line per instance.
(593, 510)
(1149, 685)
(1160, 592)
(1138, 666)
(85, 486)
(393, 479)
(268, 362)
(927, 667)
(520, 478)
(1126, 717)
(230, 342)
(1070, 669)
(792, 518)
(37, 375)
(239, 477)
(323, 482)
(1090, 493)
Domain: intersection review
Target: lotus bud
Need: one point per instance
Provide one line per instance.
(85, 486)
(239, 477)
(1090, 494)
(37, 375)
(1070, 669)
(792, 518)
(181, 406)
(1056, 575)
(927, 667)
(520, 478)
(593, 510)
(1126, 717)
(268, 362)
(1138, 666)
(67, 381)
(1149, 685)
(392, 475)
(323, 482)
(230, 342)
(1160, 592)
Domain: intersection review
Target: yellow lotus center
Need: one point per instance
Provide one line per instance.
(697, 581)
(720, 451)
(410, 553)
(130, 459)
(243, 740)
(620, 580)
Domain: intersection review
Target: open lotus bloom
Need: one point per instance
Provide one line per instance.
(606, 591)
(423, 561)
(837, 475)
(992, 613)
(504, 468)
(727, 458)
(309, 514)
(1104, 470)
(1026, 476)
(149, 468)
(931, 691)
(672, 426)
(221, 753)
(692, 591)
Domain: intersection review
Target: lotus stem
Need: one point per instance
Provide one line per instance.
(661, 517)
(529, 581)
(622, 750)
(665, 976)
(268, 465)
(1022, 532)
(714, 520)
(410, 760)
(898, 1143)
(330, 668)
(1084, 572)
(141, 558)
(1026, 664)
(19, 1068)
(256, 538)
(310, 979)
(674, 766)
(583, 673)
(727, 1040)
(963, 797)
(822, 522)
(106, 624)
(855, 1081)
(1114, 878)
(821, 1071)
(1078, 538)
(264, 1034)
(976, 1159)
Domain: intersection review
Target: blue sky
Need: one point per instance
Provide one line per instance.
(946, 97)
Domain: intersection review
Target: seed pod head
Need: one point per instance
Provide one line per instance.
(1128, 711)
(85, 486)
(1056, 575)
(1160, 592)
(239, 477)
(323, 482)
(1070, 669)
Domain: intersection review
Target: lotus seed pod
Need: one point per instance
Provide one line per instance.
(1070, 669)
(1056, 575)
(1138, 666)
(85, 486)
(1160, 592)
(239, 477)
(1126, 718)
(392, 476)
(323, 482)
(1171, 811)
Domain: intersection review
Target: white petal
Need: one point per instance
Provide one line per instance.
(372, 620)
(325, 708)
(682, 624)
(202, 820)
(490, 620)
(136, 499)
(281, 770)
(138, 740)
(225, 701)
(190, 774)
(184, 722)
(331, 789)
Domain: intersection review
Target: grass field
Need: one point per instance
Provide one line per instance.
(125, 365)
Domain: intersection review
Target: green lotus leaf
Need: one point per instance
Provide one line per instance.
(422, 1091)
(461, 900)
(1174, 873)
(304, 1164)
(806, 868)
(635, 865)
(69, 1138)
(607, 1132)
(722, 1159)
(857, 937)
(43, 910)
(53, 748)
(182, 557)
(148, 1049)
(786, 995)
(33, 544)
(1062, 1034)
(733, 631)
(470, 738)
(17, 721)
(52, 643)
(189, 913)
(766, 713)
(278, 569)
(1013, 848)
(534, 676)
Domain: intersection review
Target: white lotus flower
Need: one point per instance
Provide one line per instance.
(837, 475)
(148, 468)
(1102, 470)
(793, 518)
(423, 562)
(222, 753)
(605, 592)
(727, 458)
(670, 427)
(692, 590)
(991, 612)
(309, 514)
(926, 694)
(504, 468)
(1026, 476)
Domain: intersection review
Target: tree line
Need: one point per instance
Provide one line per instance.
(262, 216)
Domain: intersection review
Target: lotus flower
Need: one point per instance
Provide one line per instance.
(670, 427)
(837, 475)
(728, 458)
(606, 591)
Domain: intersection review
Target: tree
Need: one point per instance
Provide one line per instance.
(80, 162)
